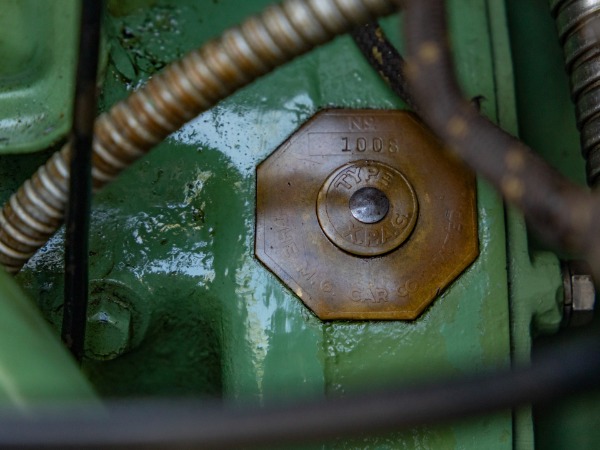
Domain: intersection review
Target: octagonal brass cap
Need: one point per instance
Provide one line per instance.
(364, 216)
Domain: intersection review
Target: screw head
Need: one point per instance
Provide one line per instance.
(369, 205)
(108, 331)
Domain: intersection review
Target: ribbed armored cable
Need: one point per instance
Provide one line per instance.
(179, 93)
(578, 23)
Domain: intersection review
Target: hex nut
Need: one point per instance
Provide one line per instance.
(108, 328)
(580, 294)
(117, 319)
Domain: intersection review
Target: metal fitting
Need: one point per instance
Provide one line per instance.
(116, 320)
(580, 294)
(108, 328)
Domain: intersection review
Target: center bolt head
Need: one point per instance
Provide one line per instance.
(369, 205)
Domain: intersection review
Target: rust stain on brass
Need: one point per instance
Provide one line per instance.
(363, 215)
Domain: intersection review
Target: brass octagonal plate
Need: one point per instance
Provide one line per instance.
(363, 215)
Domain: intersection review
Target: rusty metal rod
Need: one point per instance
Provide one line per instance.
(179, 93)
(565, 215)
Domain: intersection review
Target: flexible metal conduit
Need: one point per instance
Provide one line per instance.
(578, 23)
(179, 93)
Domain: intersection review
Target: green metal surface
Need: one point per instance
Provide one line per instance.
(546, 122)
(535, 284)
(546, 114)
(181, 307)
(35, 368)
(37, 50)
(177, 229)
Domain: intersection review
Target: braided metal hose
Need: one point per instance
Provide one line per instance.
(578, 23)
(179, 93)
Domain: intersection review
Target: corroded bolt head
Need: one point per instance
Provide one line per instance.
(108, 331)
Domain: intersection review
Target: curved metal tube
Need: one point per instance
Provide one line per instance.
(565, 215)
(181, 92)
(578, 23)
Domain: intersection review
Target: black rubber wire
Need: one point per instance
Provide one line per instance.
(78, 207)
(571, 368)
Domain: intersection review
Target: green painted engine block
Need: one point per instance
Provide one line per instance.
(180, 306)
